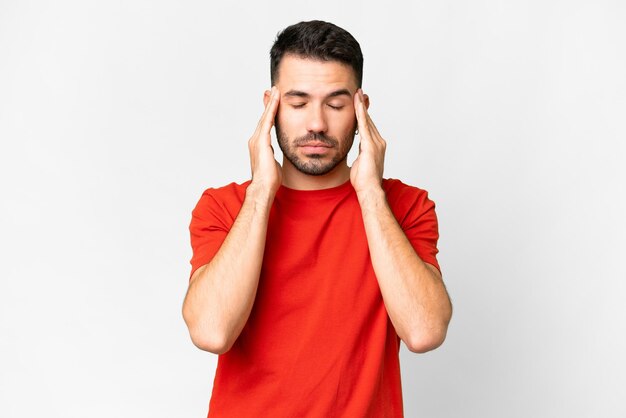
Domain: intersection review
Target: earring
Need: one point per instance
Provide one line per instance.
(356, 132)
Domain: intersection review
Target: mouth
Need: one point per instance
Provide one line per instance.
(315, 147)
(317, 144)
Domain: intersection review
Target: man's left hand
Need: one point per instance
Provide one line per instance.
(367, 171)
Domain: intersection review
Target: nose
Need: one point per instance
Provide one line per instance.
(316, 120)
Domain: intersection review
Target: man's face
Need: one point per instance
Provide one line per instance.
(315, 123)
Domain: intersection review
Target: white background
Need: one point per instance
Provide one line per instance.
(116, 115)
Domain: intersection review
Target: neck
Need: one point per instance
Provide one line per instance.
(295, 179)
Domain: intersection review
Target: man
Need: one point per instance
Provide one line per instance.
(305, 278)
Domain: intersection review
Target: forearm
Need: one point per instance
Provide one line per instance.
(221, 294)
(414, 294)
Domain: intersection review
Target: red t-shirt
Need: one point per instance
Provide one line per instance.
(318, 342)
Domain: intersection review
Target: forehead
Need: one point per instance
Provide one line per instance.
(313, 75)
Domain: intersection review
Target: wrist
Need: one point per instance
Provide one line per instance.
(260, 193)
(372, 195)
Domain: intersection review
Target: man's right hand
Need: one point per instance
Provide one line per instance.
(266, 172)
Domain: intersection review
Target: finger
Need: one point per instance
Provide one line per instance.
(270, 112)
(368, 118)
(266, 110)
(361, 116)
(262, 118)
(358, 111)
(376, 136)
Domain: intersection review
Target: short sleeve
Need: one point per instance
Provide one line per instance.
(416, 215)
(211, 221)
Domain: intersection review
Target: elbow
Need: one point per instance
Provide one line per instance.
(425, 342)
(211, 343)
(426, 339)
(205, 337)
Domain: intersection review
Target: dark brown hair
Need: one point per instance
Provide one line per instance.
(317, 40)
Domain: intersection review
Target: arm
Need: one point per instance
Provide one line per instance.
(221, 293)
(413, 291)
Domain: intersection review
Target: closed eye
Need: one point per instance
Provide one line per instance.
(336, 107)
(298, 106)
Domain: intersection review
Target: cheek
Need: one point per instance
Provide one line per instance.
(290, 119)
(346, 121)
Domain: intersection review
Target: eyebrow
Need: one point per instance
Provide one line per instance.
(305, 95)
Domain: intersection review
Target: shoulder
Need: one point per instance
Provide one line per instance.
(408, 203)
(230, 191)
(398, 192)
(229, 197)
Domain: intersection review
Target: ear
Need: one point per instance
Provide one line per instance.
(266, 97)
(366, 99)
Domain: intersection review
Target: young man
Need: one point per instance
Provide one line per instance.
(305, 278)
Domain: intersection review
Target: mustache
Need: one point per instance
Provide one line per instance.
(317, 137)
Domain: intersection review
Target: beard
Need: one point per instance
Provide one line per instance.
(314, 164)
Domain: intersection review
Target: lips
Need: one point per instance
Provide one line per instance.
(315, 144)
(315, 148)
